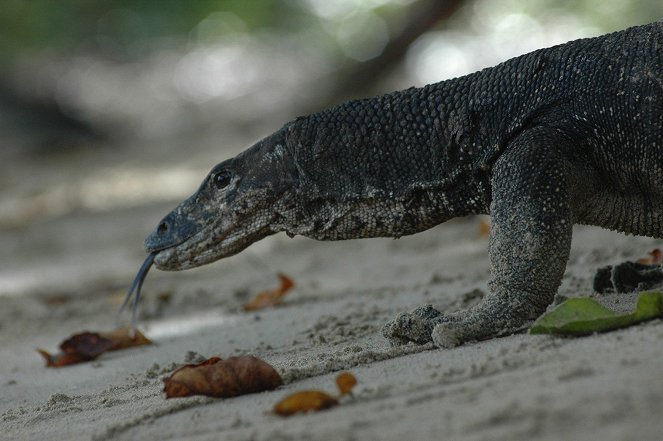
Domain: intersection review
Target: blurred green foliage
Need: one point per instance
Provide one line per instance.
(124, 26)
(131, 28)
(614, 14)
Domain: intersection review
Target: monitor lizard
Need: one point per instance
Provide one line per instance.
(563, 135)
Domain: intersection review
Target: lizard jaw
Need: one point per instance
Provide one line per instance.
(210, 244)
(196, 250)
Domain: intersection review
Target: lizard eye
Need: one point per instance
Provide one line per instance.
(221, 179)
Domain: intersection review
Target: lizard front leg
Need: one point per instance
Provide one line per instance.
(529, 247)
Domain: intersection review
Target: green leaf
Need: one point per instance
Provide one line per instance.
(650, 306)
(582, 316)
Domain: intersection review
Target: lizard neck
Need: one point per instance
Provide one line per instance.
(386, 166)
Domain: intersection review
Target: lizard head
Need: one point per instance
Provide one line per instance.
(233, 208)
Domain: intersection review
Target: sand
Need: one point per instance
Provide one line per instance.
(69, 273)
(70, 244)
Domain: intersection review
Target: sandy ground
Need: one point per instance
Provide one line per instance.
(66, 273)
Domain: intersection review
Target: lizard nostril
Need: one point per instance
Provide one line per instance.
(162, 228)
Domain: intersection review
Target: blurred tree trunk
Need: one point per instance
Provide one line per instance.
(361, 79)
(30, 124)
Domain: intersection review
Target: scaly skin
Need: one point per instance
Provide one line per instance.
(564, 135)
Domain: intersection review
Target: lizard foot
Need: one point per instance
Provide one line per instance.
(415, 326)
(494, 317)
(455, 333)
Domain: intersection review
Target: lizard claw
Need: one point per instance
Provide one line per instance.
(415, 326)
(448, 335)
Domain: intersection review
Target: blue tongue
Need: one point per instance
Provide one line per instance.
(136, 286)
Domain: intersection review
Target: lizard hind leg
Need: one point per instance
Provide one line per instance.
(529, 247)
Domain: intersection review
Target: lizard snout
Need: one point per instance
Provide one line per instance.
(170, 232)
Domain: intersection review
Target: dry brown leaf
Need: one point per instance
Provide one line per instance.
(87, 346)
(345, 382)
(304, 401)
(222, 378)
(315, 400)
(78, 348)
(63, 358)
(123, 338)
(484, 228)
(272, 297)
(655, 258)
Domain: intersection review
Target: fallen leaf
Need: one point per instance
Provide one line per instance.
(222, 378)
(87, 346)
(272, 297)
(63, 358)
(315, 400)
(583, 316)
(57, 300)
(78, 348)
(345, 382)
(484, 228)
(123, 338)
(655, 258)
(304, 401)
(649, 307)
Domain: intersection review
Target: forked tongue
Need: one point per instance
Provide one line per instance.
(135, 288)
